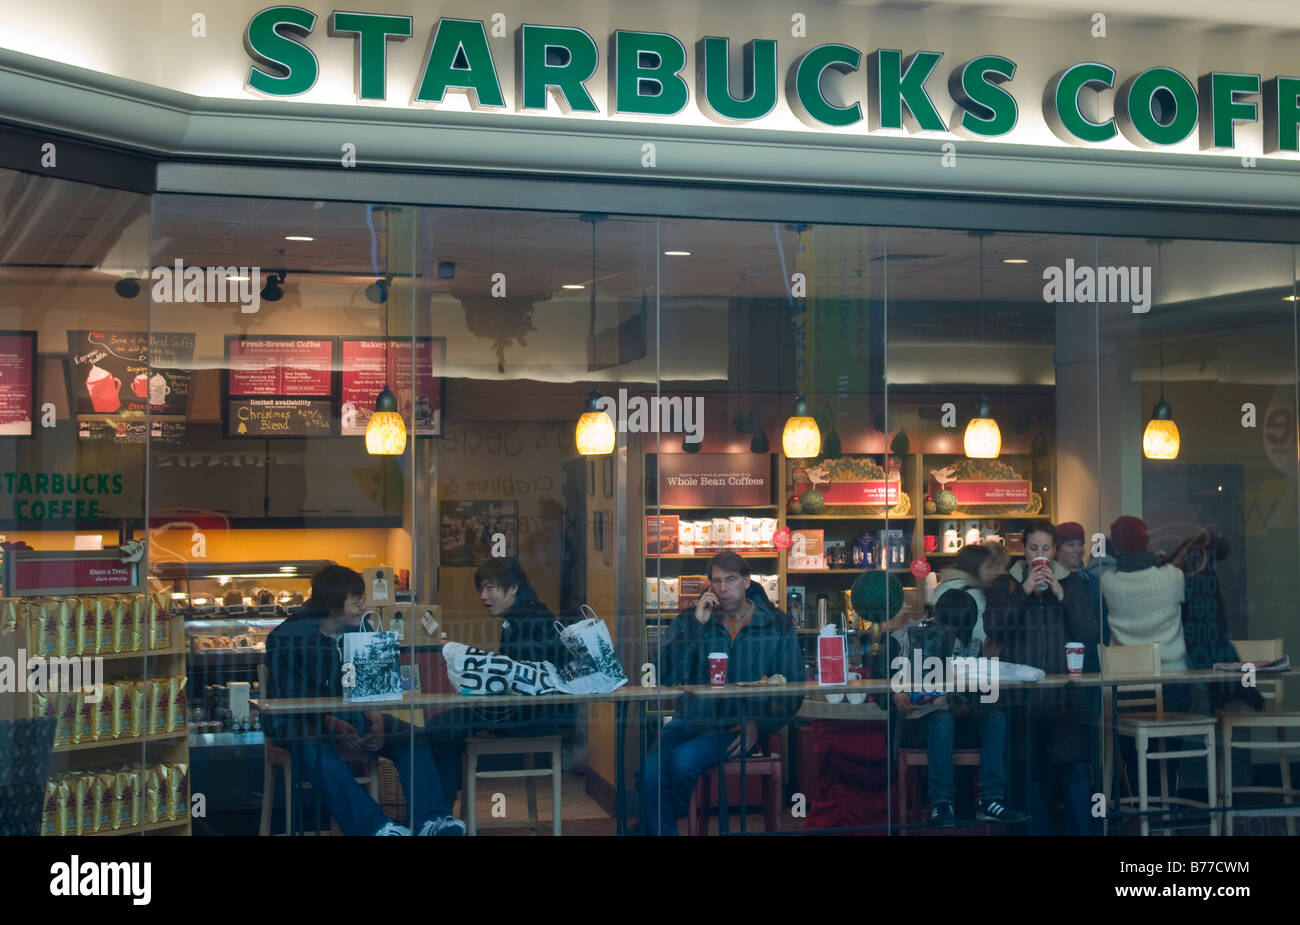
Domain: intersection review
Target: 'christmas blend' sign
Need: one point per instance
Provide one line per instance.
(279, 386)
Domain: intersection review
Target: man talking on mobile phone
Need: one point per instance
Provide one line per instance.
(734, 616)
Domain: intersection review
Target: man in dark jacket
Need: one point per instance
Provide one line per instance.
(528, 634)
(733, 616)
(304, 657)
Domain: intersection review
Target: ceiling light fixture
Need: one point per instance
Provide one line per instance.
(298, 237)
(385, 431)
(801, 439)
(594, 435)
(128, 287)
(273, 291)
(1014, 260)
(573, 286)
(983, 439)
(1160, 439)
(677, 253)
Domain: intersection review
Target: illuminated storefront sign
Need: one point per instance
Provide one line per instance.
(829, 86)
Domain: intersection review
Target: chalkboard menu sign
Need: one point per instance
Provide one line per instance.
(279, 386)
(128, 373)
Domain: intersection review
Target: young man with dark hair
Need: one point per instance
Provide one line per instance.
(304, 657)
(528, 634)
(733, 616)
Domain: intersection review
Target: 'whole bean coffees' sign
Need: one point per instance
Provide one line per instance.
(713, 480)
(829, 86)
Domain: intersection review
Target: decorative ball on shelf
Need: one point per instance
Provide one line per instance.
(945, 502)
(876, 596)
(930, 506)
(794, 507)
(920, 568)
(813, 501)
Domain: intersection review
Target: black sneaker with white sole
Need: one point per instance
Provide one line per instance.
(997, 811)
(942, 817)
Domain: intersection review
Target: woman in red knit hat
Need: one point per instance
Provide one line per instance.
(1144, 599)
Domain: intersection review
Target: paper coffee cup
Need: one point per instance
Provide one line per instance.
(1033, 563)
(718, 668)
(1074, 657)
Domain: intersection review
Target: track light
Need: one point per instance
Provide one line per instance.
(273, 291)
(377, 291)
(128, 287)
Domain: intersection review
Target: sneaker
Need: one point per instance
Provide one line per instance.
(941, 816)
(443, 825)
(392, 828)
(997, 811)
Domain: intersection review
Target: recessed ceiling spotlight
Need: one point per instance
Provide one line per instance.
(573, 286)
(298, 237)
(1288, 298)
(1015, 260)
(677, 253)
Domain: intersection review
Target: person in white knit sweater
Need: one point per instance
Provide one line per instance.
(1144, 598)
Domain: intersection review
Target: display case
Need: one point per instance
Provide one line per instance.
(235, 589)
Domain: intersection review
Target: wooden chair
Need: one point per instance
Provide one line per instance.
(1273, 716)
(1143, 727)
(908, 783)
(527, 747)
(766, 767)
(278, 757)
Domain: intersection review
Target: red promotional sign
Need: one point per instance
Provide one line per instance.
(29, 573)
(17, 394)
(715, 479)
(1010, 491)
(830, 660)
(280, 367)
(364, 376)
(866, 493)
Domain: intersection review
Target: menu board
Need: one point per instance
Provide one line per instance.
(365, 373)
(17, 383)
(279, 386)
(118, 429)
(713, 479)
(119, 372)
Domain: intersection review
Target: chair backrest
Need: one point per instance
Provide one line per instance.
(1134, 661)
(1264, 650)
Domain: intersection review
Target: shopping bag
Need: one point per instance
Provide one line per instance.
(593, 666)
(477, 671)
(370, 666)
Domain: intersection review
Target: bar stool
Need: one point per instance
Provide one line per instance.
(909, 802)
(278, 757)
(766, 767)
(1142, 727)
(527, 747)
(1273, 716)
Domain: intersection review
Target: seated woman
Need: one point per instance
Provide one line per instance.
(1049, 606)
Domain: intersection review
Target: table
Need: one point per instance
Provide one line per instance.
(621, 698)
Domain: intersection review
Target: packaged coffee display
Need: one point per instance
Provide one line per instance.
(159, 624)
(139, 707)
(86, 819)
(126, 797)
(652, 595)
(668, 592)
(175, 703)
(83, 725)
(153, 799)
(120, 695)
(104, 779)
(689, 589)
(139, 623)
(156, 705)
(9, 613)
(103, 607)
(106, 714)
(66, 820)
(66, 717)
(87, 627)
(120, 635)
(68, 626)
(43, 630)
(176, 785)
(50, 818)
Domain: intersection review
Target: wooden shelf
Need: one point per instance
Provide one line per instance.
(894, 517)
(650, 557)
(130, 740)
(148, 653)
(710, 507)
(144, 827)
(845, 571)
(977, 516)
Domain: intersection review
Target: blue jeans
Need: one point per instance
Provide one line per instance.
(941, 730)
(352, 807)
(1074, 781)
(671, 771)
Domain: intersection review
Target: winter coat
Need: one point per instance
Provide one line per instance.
(1144, 603)
(302, 662)
(529, 634)
(765, 646)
